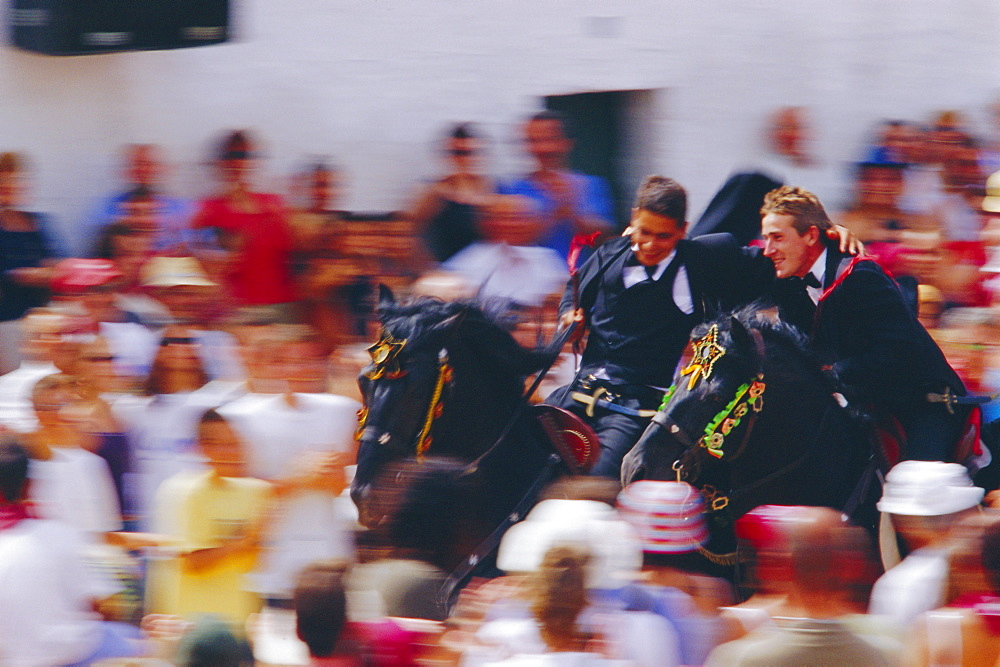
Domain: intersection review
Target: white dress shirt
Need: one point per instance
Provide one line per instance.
(633, 275)
(819, 270)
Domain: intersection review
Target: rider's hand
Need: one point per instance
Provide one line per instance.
(570, 317)
(848, 243)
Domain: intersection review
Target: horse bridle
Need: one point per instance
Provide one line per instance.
(748, 401)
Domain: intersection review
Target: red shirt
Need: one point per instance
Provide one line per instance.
(262, 272)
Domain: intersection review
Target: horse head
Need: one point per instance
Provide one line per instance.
(443, 378)
(710, 408)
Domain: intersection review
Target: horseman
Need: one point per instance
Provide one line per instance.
(861, 328)
(640, 296)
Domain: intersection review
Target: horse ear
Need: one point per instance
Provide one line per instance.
(449, 322)
(741, 335)
(385, 296)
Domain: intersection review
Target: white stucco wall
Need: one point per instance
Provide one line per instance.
(373, 82)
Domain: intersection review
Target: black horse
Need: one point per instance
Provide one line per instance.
(752, 420)
(446, 380)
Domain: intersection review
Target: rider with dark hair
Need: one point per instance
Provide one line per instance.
(640, 296)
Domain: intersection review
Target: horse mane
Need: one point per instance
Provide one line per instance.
(485, 324)
(785, 344)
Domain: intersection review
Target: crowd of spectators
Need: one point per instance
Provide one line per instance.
(178, 411)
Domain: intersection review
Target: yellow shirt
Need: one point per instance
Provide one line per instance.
(201, 511)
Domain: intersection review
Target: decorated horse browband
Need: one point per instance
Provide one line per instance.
(749, 396)
(385, 359)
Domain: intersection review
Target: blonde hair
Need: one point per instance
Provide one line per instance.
(804, 207)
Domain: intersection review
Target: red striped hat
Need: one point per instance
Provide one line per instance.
(669, 516)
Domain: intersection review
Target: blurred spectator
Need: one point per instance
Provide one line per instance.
(990, 236)
(185, 296)
(299, 438)
(893, 145)
(669, 518)
(958, 209)
(24, 251)
(215, 520)
(506, 264)
(966, 631)
(642, 637)
(162, 424)
(44, 329)
(321, 613)
(47, 595)
(789, 159)
(86, 289)
(252, 229)
(924, 499)
(143, 167)
(69, 482)
(875, 215)
(571, 203)
(327, 275)
(446, 214)
(809, 632)
(211, 642)
(930, 306)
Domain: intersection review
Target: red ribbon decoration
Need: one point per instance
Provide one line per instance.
(575, 246)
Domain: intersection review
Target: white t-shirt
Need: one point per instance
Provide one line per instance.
(75, 486)
(45, 596)
(278, 437)
(524, 274)
(914, 586)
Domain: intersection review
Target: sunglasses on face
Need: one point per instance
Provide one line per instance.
(177, 340)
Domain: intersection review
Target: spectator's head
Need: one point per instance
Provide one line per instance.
(211, 643)
(180, 284)
(945, 134)
(220, 444)
(463, 148)
(559, 592)
(788, 134)
(89, 285)
(303, 360)
(43, 335)
(511, 219)
(96, 366)
(794, 225)
(879, 184)
(50, 396)
(262, 348)
(658, 219)
(177, 366)
(325, 187)
(235, 158)
(894, 141)
(13, 471)
(140, 211)
(965, 336)
(930, 306)
(12, 168)
(961, 167)
(320, 606)
(547, 141)
(143, 166)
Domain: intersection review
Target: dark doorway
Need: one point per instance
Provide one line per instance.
(611, 139)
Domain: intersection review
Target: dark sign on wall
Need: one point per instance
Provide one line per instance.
(78, 27)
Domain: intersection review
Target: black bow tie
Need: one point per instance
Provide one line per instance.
(650, 270)
(810, 280)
